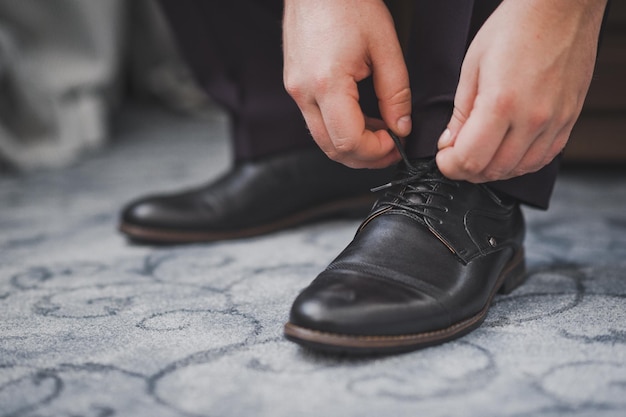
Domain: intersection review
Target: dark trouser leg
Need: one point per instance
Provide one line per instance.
(234, 50)
(440, 34)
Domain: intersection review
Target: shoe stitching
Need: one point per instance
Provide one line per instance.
(381, 273)
(462, 324)
(152, 234)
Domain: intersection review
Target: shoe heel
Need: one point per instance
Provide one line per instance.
(514, 273)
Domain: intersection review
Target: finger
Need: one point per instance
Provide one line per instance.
(475, 145)
(353, 144)
(374, 124)
(525, 151)
(463, 103)
(506, 161)
(391, 84)
(317, 129)
(543, 150)
(392, 157)
(449, 135)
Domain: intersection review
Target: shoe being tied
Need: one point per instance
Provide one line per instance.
(422, 269)
(254, 198)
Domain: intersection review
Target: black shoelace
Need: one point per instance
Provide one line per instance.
(415, 179)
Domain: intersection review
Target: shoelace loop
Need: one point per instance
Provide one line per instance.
(416, 179)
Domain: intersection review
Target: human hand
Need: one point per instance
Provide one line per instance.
(331, 45)
(522, 87)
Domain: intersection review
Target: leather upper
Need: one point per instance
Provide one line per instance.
(429, 255)
(254, 193)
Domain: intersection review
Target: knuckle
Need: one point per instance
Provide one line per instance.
(539, 119)
(494, 174)
(504, 103)
(471, 167)
(558, 146)
(300, 86)
(332, 155)
(295, 88)
(533, 168)
(345, 147)
(321, 83)
(545, 161)
(566, 120)
(528, 167)
(459, 115)
(521, 170)
(555, 149)
(399, 97)
(570, 109)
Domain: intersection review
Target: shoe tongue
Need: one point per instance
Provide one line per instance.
(413, 192)
(412, 181)
(426, 165)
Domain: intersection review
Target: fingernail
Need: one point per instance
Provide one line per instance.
(445, 139)
(404, 125)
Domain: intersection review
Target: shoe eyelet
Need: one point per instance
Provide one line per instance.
(492, 241)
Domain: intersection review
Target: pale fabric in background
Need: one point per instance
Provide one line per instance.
(66, 64)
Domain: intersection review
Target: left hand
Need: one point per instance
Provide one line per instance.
(329, 46)
(522, 87)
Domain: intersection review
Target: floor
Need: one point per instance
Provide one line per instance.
(91, 325)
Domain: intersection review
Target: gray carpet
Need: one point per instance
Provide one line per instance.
(93, 326)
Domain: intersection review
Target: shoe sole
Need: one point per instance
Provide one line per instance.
(512, 276)
(349, 208)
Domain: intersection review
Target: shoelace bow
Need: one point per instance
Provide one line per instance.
(417, 179)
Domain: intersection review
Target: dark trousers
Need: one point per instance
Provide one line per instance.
(234, 49)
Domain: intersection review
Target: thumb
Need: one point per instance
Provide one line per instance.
(448, 137)
(463, 103)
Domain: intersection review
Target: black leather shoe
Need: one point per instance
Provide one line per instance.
(255, 198)
(421, 270)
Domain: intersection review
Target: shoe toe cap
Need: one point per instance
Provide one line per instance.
(349, 303)
(143, 212)
(163, 212)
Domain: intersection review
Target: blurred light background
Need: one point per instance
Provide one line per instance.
(66, 66)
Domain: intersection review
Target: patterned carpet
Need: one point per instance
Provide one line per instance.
(91, 325)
